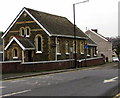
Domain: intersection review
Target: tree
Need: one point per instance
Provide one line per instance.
(116, 44)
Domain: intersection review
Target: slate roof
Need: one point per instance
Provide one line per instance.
(90, 42)
(99, 35)
(25, 42)
(55, 24)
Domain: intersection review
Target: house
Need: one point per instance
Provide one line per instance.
(37, 36)
(104, 47)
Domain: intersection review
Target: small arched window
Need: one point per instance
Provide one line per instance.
(22, 31)
(15, 52)
(27, 31)
(39, 43)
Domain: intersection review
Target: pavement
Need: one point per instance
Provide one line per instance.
(29, 74)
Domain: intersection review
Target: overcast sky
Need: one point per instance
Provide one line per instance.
(95, 14)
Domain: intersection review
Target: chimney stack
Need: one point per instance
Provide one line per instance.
(95, 30)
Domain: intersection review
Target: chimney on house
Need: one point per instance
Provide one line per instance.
(95, 30)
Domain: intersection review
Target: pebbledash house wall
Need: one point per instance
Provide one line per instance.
(103, 45)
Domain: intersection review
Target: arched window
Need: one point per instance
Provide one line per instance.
(15, 53)
(27, 31)
(39, 43)
(22, 31)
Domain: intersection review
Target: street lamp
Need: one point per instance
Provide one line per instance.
(75, 29)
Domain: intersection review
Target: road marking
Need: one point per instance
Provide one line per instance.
(110, 80)
(15, 93)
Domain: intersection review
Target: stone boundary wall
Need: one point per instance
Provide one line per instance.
(17, 66)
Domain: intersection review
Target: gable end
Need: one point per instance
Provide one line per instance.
(15, 20)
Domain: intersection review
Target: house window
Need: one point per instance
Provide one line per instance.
(15, 53)
(58, 47)
(94, 51)
(39, 43)
(22, 31)
(67, 47)
(88, 52)
(27, 31)
(82, 47)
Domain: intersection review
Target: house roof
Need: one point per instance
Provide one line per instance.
(53, 25)
(22, 43)
(99, 35)
(90, 42)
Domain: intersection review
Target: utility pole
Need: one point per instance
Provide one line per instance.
(75, 55)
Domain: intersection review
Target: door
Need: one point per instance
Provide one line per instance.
(29, 56)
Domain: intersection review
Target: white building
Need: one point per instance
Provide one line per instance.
(104, 47)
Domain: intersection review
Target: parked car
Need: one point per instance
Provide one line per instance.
(115, 59)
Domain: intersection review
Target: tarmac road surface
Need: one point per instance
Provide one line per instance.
(99, 81)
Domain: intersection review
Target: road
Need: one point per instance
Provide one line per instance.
(99, 81)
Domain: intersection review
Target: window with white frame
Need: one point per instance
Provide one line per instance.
(27, 29)
(39, 44)
(22, 31)
(15, 53)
